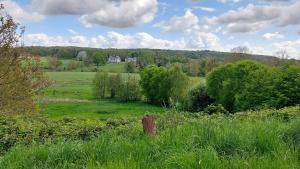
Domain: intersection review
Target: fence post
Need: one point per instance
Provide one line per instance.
(149, 125)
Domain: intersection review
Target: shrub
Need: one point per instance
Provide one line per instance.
(130, 67)
(248, 85)
(100, 84)
(130, 89)
(213, 109)
(198, 99)
(163, 86)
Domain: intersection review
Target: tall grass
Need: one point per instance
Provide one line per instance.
(181, 142)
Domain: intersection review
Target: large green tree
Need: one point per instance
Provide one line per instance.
(163, 86)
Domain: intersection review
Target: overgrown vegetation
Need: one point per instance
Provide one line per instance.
(20, 74)
(251, 85)
(264, 139)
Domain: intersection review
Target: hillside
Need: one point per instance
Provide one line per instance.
(180, 55)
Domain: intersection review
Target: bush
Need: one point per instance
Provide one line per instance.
(130, 67)
(213, 109)
(130, 89)
(248, 85)
(100, 84)
(198, 99)
(163, 86)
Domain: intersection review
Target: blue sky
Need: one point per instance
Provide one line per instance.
(264, 26)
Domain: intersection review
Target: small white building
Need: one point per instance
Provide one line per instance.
(114, 59)
(129, 59)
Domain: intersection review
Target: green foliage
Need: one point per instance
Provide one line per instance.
(249, 85)
(155, 85)
(178, 84)
(130, 67)
(130, 89)
(197, 99)
(99, 59)
(213, 109)
(115, 84)
(164, 86)
(23, 130)
(182, 141)
(100, 84)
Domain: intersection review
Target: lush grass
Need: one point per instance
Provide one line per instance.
(70, 85)
(99, 110)
(252, 140)
(114, 68)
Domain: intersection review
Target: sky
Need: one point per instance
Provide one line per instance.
(264, 26)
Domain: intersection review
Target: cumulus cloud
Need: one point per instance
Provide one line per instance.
(203, 40)
(200, 40)
(19, 13)
(112, 13)
(180, 23)
(253, 17)
(272, 36)
(292, 47)
(110, 40)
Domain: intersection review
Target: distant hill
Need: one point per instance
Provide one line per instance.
(180, 55)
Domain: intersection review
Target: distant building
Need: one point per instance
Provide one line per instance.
(129, 59)
(114, 59)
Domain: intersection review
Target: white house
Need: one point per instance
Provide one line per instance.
(114, 59)
(129, 59)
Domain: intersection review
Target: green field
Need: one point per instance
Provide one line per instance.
(99, 110)
(71, 96)
(112, 68)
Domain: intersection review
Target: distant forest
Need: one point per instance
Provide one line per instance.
(171, 55)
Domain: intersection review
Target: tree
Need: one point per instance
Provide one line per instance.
(163, 86)
(130, 89)
(198, 99)
(130, 67)
(155, 85)
(99, 59)
(238, 53)
(115, 83)
(100, 84)
(226, 82)
(54, 63)
(249, 85)
(178, 82)
(20, 74)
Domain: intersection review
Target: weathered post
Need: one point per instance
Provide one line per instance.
(149, 125)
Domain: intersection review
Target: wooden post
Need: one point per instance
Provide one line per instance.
(149, 125)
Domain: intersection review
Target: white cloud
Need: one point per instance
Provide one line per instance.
(73, 32)
(226, 1)
(292, 47)
(203, 8)
(254, 17)
(20, 14)
(272, 36)
(180, 23)
(112, 13)
(203, 40)
(42, 39)
(195, 41)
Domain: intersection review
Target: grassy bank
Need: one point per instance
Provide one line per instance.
(264, 139)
